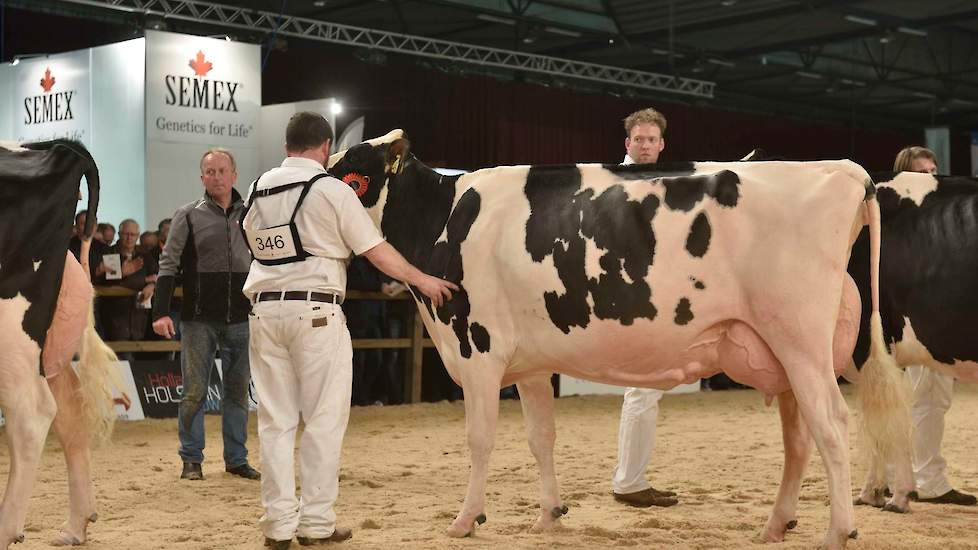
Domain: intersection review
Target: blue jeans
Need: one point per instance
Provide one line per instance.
(200, 341)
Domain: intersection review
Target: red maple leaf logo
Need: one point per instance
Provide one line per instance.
(48, 81)
(200, 66)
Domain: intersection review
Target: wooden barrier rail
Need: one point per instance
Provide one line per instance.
(415, 342)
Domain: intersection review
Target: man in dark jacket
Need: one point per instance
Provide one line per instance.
(205, 246)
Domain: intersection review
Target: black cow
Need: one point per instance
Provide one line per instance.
(928, 288)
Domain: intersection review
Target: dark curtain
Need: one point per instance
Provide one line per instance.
(477, 121)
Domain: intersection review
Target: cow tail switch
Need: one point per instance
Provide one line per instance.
(882, 392)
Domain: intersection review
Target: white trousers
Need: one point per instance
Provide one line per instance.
(636, 439)
(932, 392)
(302, 366)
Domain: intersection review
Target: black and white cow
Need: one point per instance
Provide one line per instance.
(45, 318)
(928, 289)
(646, 275)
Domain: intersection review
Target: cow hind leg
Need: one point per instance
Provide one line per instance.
(537, 400)
(872, 492)
(480, 384)
(797, 450)
(75, 436)
(29, 407)
(825, 412)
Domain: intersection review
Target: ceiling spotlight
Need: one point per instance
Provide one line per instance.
(861, 20)
(494, 19)
(532, 34)
(319, 3)
(807, 74)
(564, 32)
(728, 3)
(336, 108)
(912, 31)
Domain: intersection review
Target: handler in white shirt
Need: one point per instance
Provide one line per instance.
(302, 227)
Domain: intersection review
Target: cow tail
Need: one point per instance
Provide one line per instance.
(883, 392)
(98, 378)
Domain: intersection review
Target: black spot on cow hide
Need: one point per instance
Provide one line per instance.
(562, 217)
(684, 312)
(683, 192)
(698, 241)
(480, 337)
(650, 171)
(446, 262)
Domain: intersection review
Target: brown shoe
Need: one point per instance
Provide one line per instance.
(659, 493)
(952, 497)
(340, 534)
(645, 498)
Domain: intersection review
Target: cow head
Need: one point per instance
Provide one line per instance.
(369, 166)
(407, 200)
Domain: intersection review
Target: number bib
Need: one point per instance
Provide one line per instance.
(279, 244)
(274, 243)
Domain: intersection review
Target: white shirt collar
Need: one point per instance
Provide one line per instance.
(628, 160)
(301, 162)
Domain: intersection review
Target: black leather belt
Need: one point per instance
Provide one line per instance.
(299, 295)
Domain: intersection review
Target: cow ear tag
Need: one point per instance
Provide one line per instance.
(358, 182)
(396, 164)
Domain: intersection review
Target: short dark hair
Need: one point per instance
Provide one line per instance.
(80, 214)
(164, 221)
(306, 130)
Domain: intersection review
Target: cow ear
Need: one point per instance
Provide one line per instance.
(396, 153)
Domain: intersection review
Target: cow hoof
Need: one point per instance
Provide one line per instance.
(64, 539)
(558, 511)
(93, 518)
(791, 524)
(895, 508)
(854, 534)
(460, 530)
(769, 535)
(19, 539)
(860, 501)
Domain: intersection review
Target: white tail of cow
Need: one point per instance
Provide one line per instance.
(882, 392)
(98, 377)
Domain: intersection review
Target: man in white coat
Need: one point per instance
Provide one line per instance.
(640, 410)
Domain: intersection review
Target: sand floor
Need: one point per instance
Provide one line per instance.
(405, 470)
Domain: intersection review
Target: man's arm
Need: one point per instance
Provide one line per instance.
(390, 261)
(169, 268)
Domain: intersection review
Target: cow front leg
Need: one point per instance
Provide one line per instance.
(75, 437)
(537, 400)
(29, 409)
(480, 384)
(797, 450)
